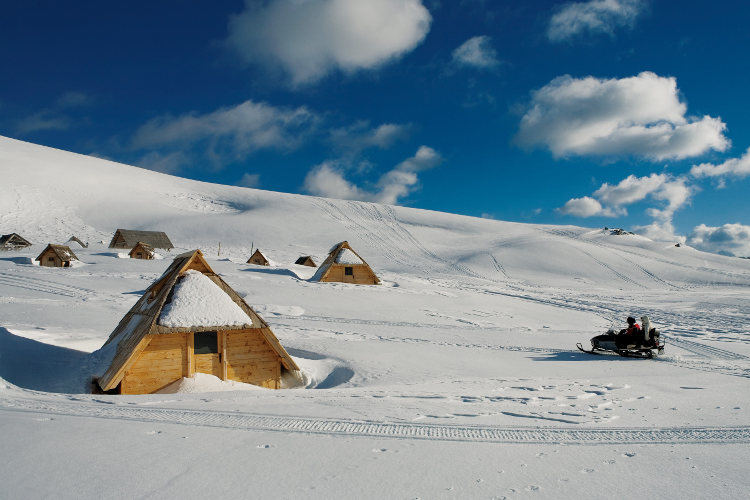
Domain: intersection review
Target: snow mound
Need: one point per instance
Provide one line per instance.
(198, 301)
(203, 382)
(346, 256)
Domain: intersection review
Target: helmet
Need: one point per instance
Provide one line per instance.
(631, 320)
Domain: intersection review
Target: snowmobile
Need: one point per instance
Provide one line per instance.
(648, 345)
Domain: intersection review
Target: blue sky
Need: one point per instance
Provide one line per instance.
(620, 113)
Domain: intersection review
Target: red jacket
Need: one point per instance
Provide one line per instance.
(636, 328)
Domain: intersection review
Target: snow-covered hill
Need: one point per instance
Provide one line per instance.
(411, 386)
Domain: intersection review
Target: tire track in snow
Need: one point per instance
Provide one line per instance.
(374, 429)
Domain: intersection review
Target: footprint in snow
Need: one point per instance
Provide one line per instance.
(263, 446)
(629, 454)
(587, 471)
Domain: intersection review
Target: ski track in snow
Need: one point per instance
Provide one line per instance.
(341, 427)
(45, 286)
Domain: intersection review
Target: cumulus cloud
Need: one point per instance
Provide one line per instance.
(609, 200)
(734, 167)
(327, 179)
(476, 52)
(232, 131)
(310, 38)
(640, 115)
(731, 239)
(249, 180)
(361, 136)
(592, 17)
(582, 207)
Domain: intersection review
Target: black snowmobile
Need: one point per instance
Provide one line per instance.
(648, 345)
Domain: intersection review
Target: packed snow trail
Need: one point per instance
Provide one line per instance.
(341, 427)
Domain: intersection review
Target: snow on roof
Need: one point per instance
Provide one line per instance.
(346, 256)
(198, 301)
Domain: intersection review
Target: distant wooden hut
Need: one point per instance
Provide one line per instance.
(56, 256)
(305, 260)
(259, 259)
(127, 238)
(190, 321)
(13, 241)
(345, 265)
(143, 251)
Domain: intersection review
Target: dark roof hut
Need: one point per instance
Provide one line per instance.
(143, 251)
(305, 260)
(13, 241)
(190, 321)
(345, 265)
(127, 238)
(56, 256)
(259, 259)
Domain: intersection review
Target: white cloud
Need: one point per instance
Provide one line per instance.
(249, 180)
(733, 239)
(582, 207)
(660, 230)
(169, 163)
(234, 131)
(594, 17)
(736, 167)
(477, 52)
(611, 200)
(46, 119)
(640, 115)
(327, 179)
(361, 136)
(310, 38)
(74, 99)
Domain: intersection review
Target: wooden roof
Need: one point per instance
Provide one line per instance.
(322, 271)
(306, 260)
(63, 252)
(144, 246)
(14, 240)
(142, 318)
(127, 238)
(258, 255)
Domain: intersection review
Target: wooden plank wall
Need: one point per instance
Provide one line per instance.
(251, 360)
(361, 275)
(160, 364)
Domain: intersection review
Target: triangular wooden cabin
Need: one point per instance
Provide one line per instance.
(143, 251)
(153, 346)
(56, 256)
(259, 259)
(127, 238)
(345, 265)
(13, 241)
(305, 260)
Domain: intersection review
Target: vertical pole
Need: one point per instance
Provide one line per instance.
(218, 254)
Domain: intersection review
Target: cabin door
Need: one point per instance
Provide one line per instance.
(348, 274)
(206, 353)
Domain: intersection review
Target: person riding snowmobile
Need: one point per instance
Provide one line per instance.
(630, 335)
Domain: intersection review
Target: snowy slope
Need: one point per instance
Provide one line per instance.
(456, 378)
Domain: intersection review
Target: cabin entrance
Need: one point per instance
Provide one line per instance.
(206, 353)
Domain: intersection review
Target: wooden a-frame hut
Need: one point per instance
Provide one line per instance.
(190, 321)
(13, 241)
(345, 265)
(127, 238)
(143, 251)
(56, 256)
(258, 258)
(305, 260)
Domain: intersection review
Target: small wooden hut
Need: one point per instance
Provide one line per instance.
(345, 265)
(258, 258)
(305, 260)
(190, 321)
(56, 256)
(127, 238)
(13, 241)
(143, 251)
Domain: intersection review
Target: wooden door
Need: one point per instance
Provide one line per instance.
(207, 354)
